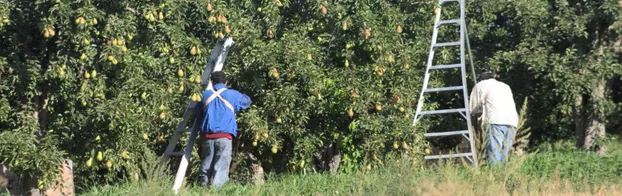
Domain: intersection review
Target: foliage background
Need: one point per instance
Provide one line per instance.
(75, 71)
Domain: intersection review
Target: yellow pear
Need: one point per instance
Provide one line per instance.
(100, 156)
(193, 51)
(89, 162)
(124, 154)
(274, 149)
(227, 29)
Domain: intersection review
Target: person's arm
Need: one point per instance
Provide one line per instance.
(475, 104)
(243, 102)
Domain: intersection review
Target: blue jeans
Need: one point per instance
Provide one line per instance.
(216, 154)
(500, 143)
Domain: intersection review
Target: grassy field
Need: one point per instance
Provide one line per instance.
(555, 169)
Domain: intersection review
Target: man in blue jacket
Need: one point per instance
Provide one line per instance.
(218, 128)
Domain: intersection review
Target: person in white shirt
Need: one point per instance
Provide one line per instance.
(493, 103)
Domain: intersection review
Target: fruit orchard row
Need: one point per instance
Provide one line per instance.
(109, 81)
(105, 83)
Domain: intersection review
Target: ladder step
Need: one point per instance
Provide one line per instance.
(451, 88)
(177, 154)
(436, 67)
(448, 133)
(192, 105)
(184, 130)
(184, 122)
(447, 44)
(182, 126)
(446, 22)
(445, 111)
(448, 156)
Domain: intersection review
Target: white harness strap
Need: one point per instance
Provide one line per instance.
(217, 94)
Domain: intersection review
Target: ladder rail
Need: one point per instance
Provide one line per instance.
(427, 67)
(183, 165)
(464, 81)
(216, 61)
(466, 34)
(181, 127)
(169, 149)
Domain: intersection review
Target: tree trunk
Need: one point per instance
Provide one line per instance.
(9, 182)
(63, 185)
(595, 128)
(40, 111)
(329, 159)
(257, 171)
(579, 121)
(258, 174)
(335, 162)
(591, 126)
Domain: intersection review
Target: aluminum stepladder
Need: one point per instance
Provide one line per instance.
(215, 63)
(468, 134)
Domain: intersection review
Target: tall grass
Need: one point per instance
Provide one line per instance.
(557, 169)
(520, 139)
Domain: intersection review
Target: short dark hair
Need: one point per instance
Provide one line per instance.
(487, 75)
(218, 77)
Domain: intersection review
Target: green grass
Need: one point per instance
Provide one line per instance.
(557, 169)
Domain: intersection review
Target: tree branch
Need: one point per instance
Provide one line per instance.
(132, 10)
